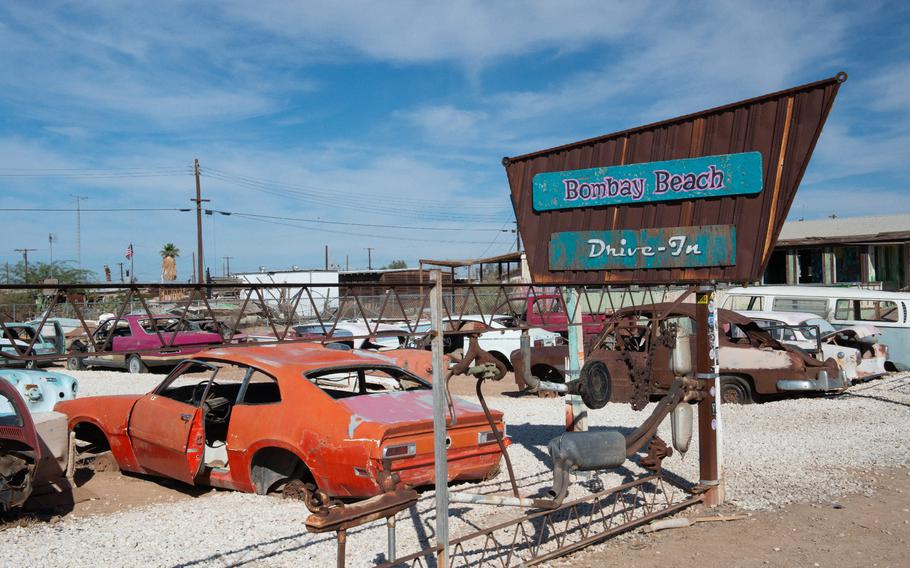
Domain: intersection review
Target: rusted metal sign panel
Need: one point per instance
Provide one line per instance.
(678, 247)
(658, 177)
(689, 178)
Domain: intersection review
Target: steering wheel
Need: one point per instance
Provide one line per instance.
(199, 390)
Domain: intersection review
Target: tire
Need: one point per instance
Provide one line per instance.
(734, 390)
(135, 365)
(75, 364)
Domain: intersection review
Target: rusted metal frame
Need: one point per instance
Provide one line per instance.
(404, 314)
(464, 303)
(290, 321)
(498, 435)
(47, 312)
(363, 315)
(152, 320)
(339, 312)
(88, 332)
(385, 301)
(548, 531)
(479, 308)
(110, 336)
(208, 308)
(779, 171)
(268, 316)
(496, 303)
(186, 310)
(19, 352)
(509, 299)
(246, 300)
(315, 309)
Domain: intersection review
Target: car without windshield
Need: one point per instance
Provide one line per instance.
(256, 418)
(855, 348)
(136, 342)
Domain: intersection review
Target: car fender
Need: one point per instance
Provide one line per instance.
(111, 415)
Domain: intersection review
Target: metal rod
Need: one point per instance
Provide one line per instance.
(390, 530)
(517, 501)
(439, 422)
(342, 542)
(576, 415)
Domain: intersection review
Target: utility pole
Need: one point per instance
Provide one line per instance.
(227, 262)
(120, 264)
(199, 272)
(370, 258)
(517, 238)
(79, 199)
(326, 257)
(25, 252)
(6, 265)
(347, 265)
(51, 238)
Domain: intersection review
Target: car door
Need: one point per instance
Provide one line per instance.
(166, 426)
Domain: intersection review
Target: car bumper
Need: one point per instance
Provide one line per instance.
(822, 384)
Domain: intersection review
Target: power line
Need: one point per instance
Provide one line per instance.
(398, 207)
(346, 223)
(95, 209)
(309, 190)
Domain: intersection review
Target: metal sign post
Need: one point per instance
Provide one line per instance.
(439, 422)
(576, 415)
(707, 368)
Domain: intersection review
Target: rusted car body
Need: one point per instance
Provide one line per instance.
(855, 348)
(20, 450)
(636, 348)
(137, 342)
(254, 418)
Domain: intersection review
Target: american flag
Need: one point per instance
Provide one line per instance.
(129, 251)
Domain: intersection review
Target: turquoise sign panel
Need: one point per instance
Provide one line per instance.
(689, 178)
(672, 247)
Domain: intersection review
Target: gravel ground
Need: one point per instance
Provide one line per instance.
(810, 449)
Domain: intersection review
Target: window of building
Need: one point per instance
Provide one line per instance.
(776, 273)
(811, 269)
(847, 267)
(889, 266)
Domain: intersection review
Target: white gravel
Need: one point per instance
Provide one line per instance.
(796, 450)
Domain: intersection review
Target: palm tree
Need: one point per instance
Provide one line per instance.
(168, 263)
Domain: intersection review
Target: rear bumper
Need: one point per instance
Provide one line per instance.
(821, 384)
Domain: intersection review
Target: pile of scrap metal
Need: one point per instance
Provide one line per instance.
(633, 352)
(36, 450)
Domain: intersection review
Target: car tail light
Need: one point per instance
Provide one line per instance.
(399, 451)
(488, 437)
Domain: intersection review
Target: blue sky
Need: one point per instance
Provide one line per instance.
(396, 114)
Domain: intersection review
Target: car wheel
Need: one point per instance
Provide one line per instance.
(135, 365)
(75, 364)
(734, 390)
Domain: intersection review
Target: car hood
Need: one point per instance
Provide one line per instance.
(857, 332)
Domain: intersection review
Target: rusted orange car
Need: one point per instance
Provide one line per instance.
(255, 418)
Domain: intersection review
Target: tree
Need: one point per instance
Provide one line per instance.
(396, 264)
(169, 253)
(40, 271)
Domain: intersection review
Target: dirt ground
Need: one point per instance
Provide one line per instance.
(855, 531)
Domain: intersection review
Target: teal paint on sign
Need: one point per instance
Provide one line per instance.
(671, 247)
(689, 178)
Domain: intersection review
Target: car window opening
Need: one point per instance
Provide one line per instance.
(344, 382)
(216, 389)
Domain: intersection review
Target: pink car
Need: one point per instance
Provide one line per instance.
(138, 342)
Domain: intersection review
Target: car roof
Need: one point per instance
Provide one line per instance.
(791, 318)
(296, 358)
(818, 292)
